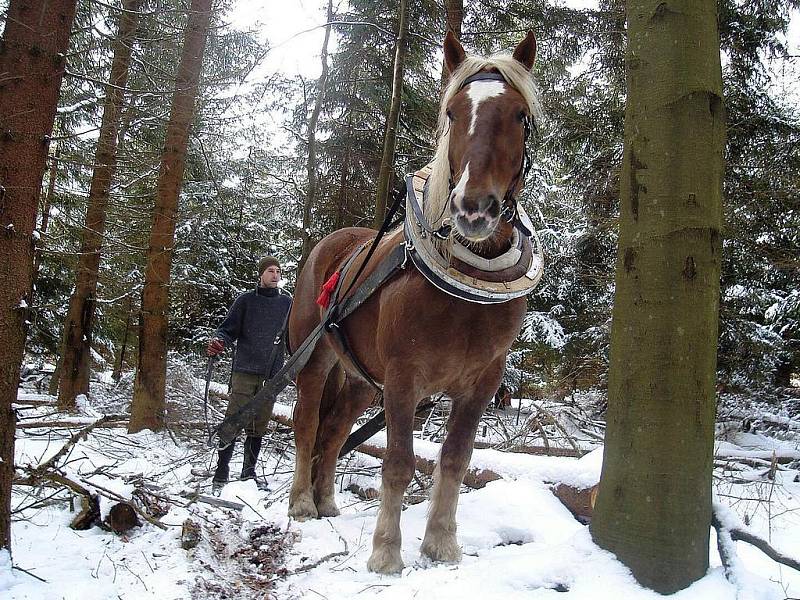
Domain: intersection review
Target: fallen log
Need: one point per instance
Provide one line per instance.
(214, 501)
(33, 402)
(69, 424)
(579, 501)
(537, 450)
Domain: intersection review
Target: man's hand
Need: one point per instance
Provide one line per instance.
(215, 346)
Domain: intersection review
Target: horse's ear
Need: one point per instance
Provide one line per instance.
(525, 52)
(454, 53)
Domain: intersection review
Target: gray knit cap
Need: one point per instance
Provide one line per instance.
(266, 262)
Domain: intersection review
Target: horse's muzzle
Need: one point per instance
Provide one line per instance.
(475, 219)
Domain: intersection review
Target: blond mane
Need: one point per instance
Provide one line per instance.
(439, 180)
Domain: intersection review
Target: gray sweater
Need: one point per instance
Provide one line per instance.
(253, 321)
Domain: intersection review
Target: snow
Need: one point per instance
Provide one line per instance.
(518, 540)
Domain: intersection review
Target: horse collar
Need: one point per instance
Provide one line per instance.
(485, 281)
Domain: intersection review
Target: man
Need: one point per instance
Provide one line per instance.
(253, 322)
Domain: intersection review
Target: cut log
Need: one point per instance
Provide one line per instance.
(122, 518)
(579, 501)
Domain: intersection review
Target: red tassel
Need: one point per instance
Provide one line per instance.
(324, 299)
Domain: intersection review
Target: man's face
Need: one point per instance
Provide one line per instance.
(270, 277)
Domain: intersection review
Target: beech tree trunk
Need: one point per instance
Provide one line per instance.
(654, 504)
(390, 139)
(454, 17)
(311, 163)
(147, 408)
(32, 64)
(80, 315)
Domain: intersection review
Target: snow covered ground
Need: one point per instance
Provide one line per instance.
(518, 540)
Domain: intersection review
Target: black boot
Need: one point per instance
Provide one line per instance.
(252, 446)
(223, 470)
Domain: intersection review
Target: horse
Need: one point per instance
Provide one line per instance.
(409, 336)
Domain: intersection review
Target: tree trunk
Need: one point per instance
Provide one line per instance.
(654, 505)
(343, 198)
(80, 315)
(454, 17)
(119, 364)
(147, 407)
(48, 202)
(311, 164)
(32, 63)
(390, 140)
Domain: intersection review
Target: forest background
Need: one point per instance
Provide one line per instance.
(250, 188)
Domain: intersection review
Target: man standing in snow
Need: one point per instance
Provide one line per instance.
(254, 321)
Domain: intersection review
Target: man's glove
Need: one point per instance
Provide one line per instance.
(215, 346)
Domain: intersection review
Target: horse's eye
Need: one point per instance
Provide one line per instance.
(522, 115)
(449, 114)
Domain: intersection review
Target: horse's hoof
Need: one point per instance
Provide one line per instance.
(445, 549)
(385, 562)
(303, 509)
(327, 508)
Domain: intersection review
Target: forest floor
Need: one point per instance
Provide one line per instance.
(518, 539)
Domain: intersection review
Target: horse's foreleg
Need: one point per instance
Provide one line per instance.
(398, 469)
(310, 386)
(440, 543)
(352, 400)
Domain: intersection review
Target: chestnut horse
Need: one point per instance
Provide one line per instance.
(409, 336)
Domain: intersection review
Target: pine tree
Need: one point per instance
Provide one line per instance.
(393, 117)
(311, 164)
(79, 324)
(148, 405)
(32, 54)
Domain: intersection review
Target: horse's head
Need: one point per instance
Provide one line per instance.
(488, 107)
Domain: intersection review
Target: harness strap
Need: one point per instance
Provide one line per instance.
(343, 270)
(483, 76)
(443, 232)
(373, 426)
(340, 335)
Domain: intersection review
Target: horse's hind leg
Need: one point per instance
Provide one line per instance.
(440, 541)
(310, 385)
(352, 400)
(398, 469)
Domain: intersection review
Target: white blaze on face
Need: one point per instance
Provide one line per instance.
(477, 92)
